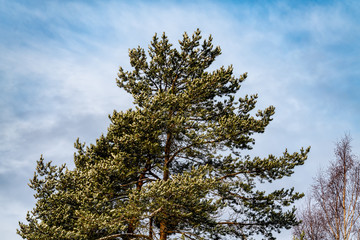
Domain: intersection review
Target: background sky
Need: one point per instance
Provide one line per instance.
(59, 60)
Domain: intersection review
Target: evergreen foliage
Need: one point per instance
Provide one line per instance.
(171, 167)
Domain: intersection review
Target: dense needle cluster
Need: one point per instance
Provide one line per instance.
(171, 167)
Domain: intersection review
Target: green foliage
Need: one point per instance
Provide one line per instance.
(171, 167)
(302, 237)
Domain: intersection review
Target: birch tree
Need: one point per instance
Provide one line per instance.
(335, 210)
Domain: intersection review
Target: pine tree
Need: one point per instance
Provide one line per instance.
(171, 167)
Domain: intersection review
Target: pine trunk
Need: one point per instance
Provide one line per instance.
(163, 232)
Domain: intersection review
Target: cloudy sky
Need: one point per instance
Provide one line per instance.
(59, 60)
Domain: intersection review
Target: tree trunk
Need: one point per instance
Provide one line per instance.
(163, 224)
(163, 230)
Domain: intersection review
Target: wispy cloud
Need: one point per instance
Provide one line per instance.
(59, 60)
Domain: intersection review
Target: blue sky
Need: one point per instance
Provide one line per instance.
(59, 60)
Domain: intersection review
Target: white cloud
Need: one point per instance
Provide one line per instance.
(70, 62)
